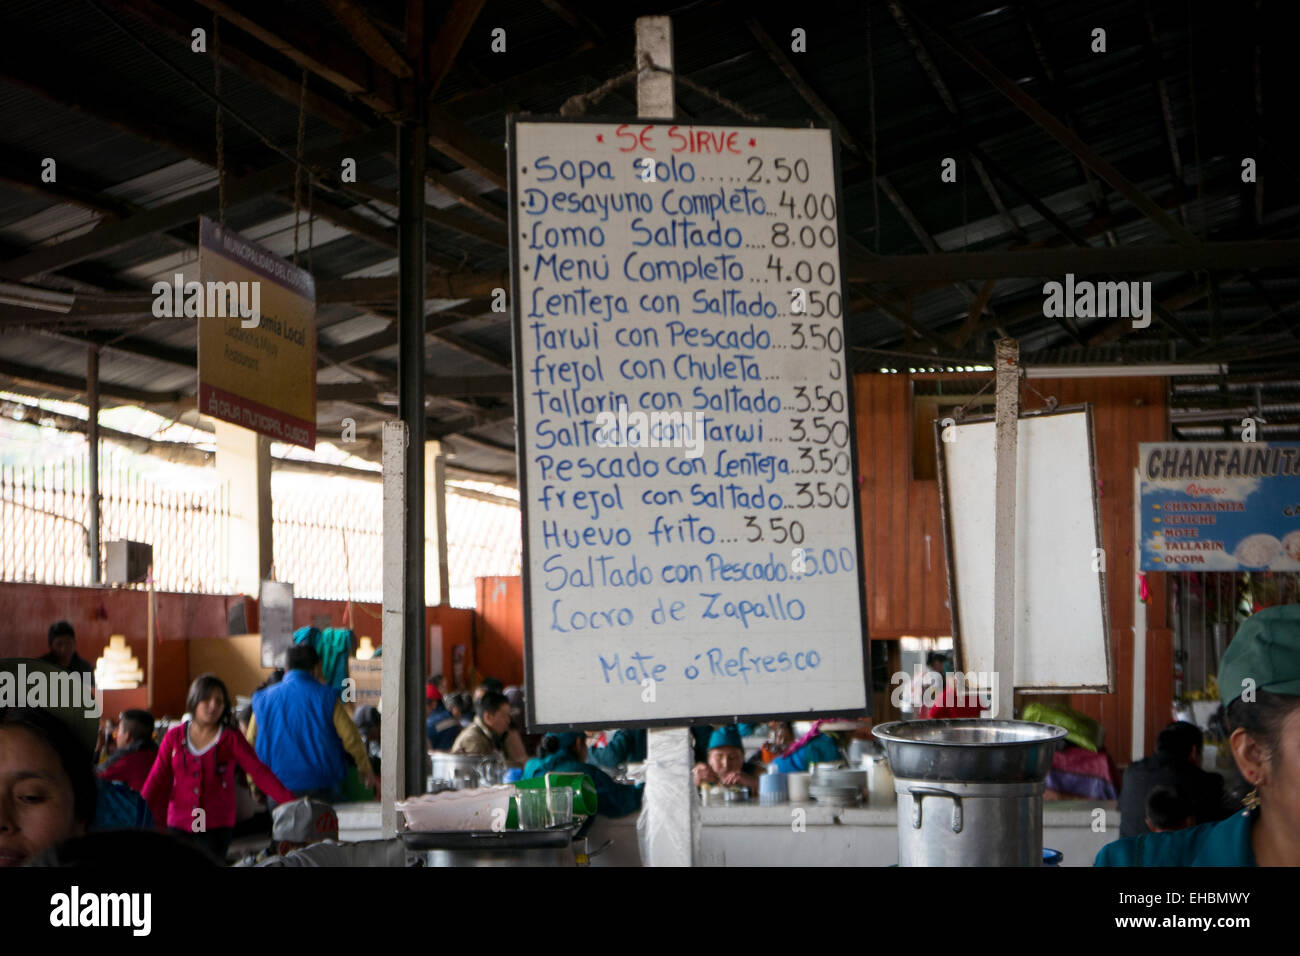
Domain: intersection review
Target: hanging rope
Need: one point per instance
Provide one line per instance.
(311, 189)
(221, 139)
(579, 103)
(297, 170)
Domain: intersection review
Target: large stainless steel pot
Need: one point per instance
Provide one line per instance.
(969, 824)
(972, 750)
(466, 771)
(970, 792)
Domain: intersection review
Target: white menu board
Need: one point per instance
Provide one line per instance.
(688, 470)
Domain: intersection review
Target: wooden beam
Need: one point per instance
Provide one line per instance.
(494, 234)
(77, 385)
(450, 135)
(451, 37)
(447, 387)
(292, 37)
(465, 285)
(23, 170)
(114, 235)
(592, 61)
(863, 153)
(387, 338)
(1060, 93)
(102, 100)
(1054, 127)
(369, 37)
(950, 103)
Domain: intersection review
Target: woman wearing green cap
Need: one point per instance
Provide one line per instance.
(567, 753)
(1259, 683)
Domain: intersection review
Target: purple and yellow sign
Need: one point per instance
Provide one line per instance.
(257, 337)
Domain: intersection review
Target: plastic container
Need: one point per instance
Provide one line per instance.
(772, 789)
(483, 808)
(797, 786)
(559, 805)
(533, 813)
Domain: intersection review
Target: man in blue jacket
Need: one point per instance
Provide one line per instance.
(301, 730)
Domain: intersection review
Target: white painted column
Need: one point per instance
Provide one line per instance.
(392, 784)
(669, 801)
(1007, 367)
(244, 463)
(437, 572)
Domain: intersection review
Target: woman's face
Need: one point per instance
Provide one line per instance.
(36, 800)
(725, 760)
(1280, 783)
(210, 708)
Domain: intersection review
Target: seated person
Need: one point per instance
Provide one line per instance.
(726, 763)
(306, 832)
(516, 743)
(1167, 810)
(780, 736)
(1176, 765)
(486, 735)
(135, 751)
(440, 727)
(1264, 656)
(487, 684)
(816, 746)
(567, 753)
(462, 708)
(624, 747)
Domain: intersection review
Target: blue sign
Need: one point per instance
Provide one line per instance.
(1220, 506)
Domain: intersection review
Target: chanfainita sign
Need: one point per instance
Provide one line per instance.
(257, 337)
(1220, 506)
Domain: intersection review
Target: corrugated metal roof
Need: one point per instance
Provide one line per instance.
(1111, 97)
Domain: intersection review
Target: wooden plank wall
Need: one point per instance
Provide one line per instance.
(907, 596)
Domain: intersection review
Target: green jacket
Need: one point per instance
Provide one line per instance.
(1226, 843)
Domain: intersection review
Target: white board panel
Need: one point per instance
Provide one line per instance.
(653, 269)
(1062, 633)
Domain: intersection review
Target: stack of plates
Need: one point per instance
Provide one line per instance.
(837, 786)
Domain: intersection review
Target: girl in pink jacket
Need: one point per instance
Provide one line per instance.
(192, 783)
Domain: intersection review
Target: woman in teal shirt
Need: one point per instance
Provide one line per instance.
(1259, 683)
(567, 753)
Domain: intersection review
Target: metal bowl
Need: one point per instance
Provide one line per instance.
(970, 750)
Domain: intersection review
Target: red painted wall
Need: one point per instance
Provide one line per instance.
(96, 614)
(499, 647)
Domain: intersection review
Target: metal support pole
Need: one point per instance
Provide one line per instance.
(412, 147)
(669, 795)
(92, 439)
(1007, 366)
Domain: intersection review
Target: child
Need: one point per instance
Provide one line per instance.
(192, 783)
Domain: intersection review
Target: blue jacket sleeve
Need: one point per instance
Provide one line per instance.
(819, 748)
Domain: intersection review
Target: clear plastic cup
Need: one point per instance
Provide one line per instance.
(533, 814)
(559, 805)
